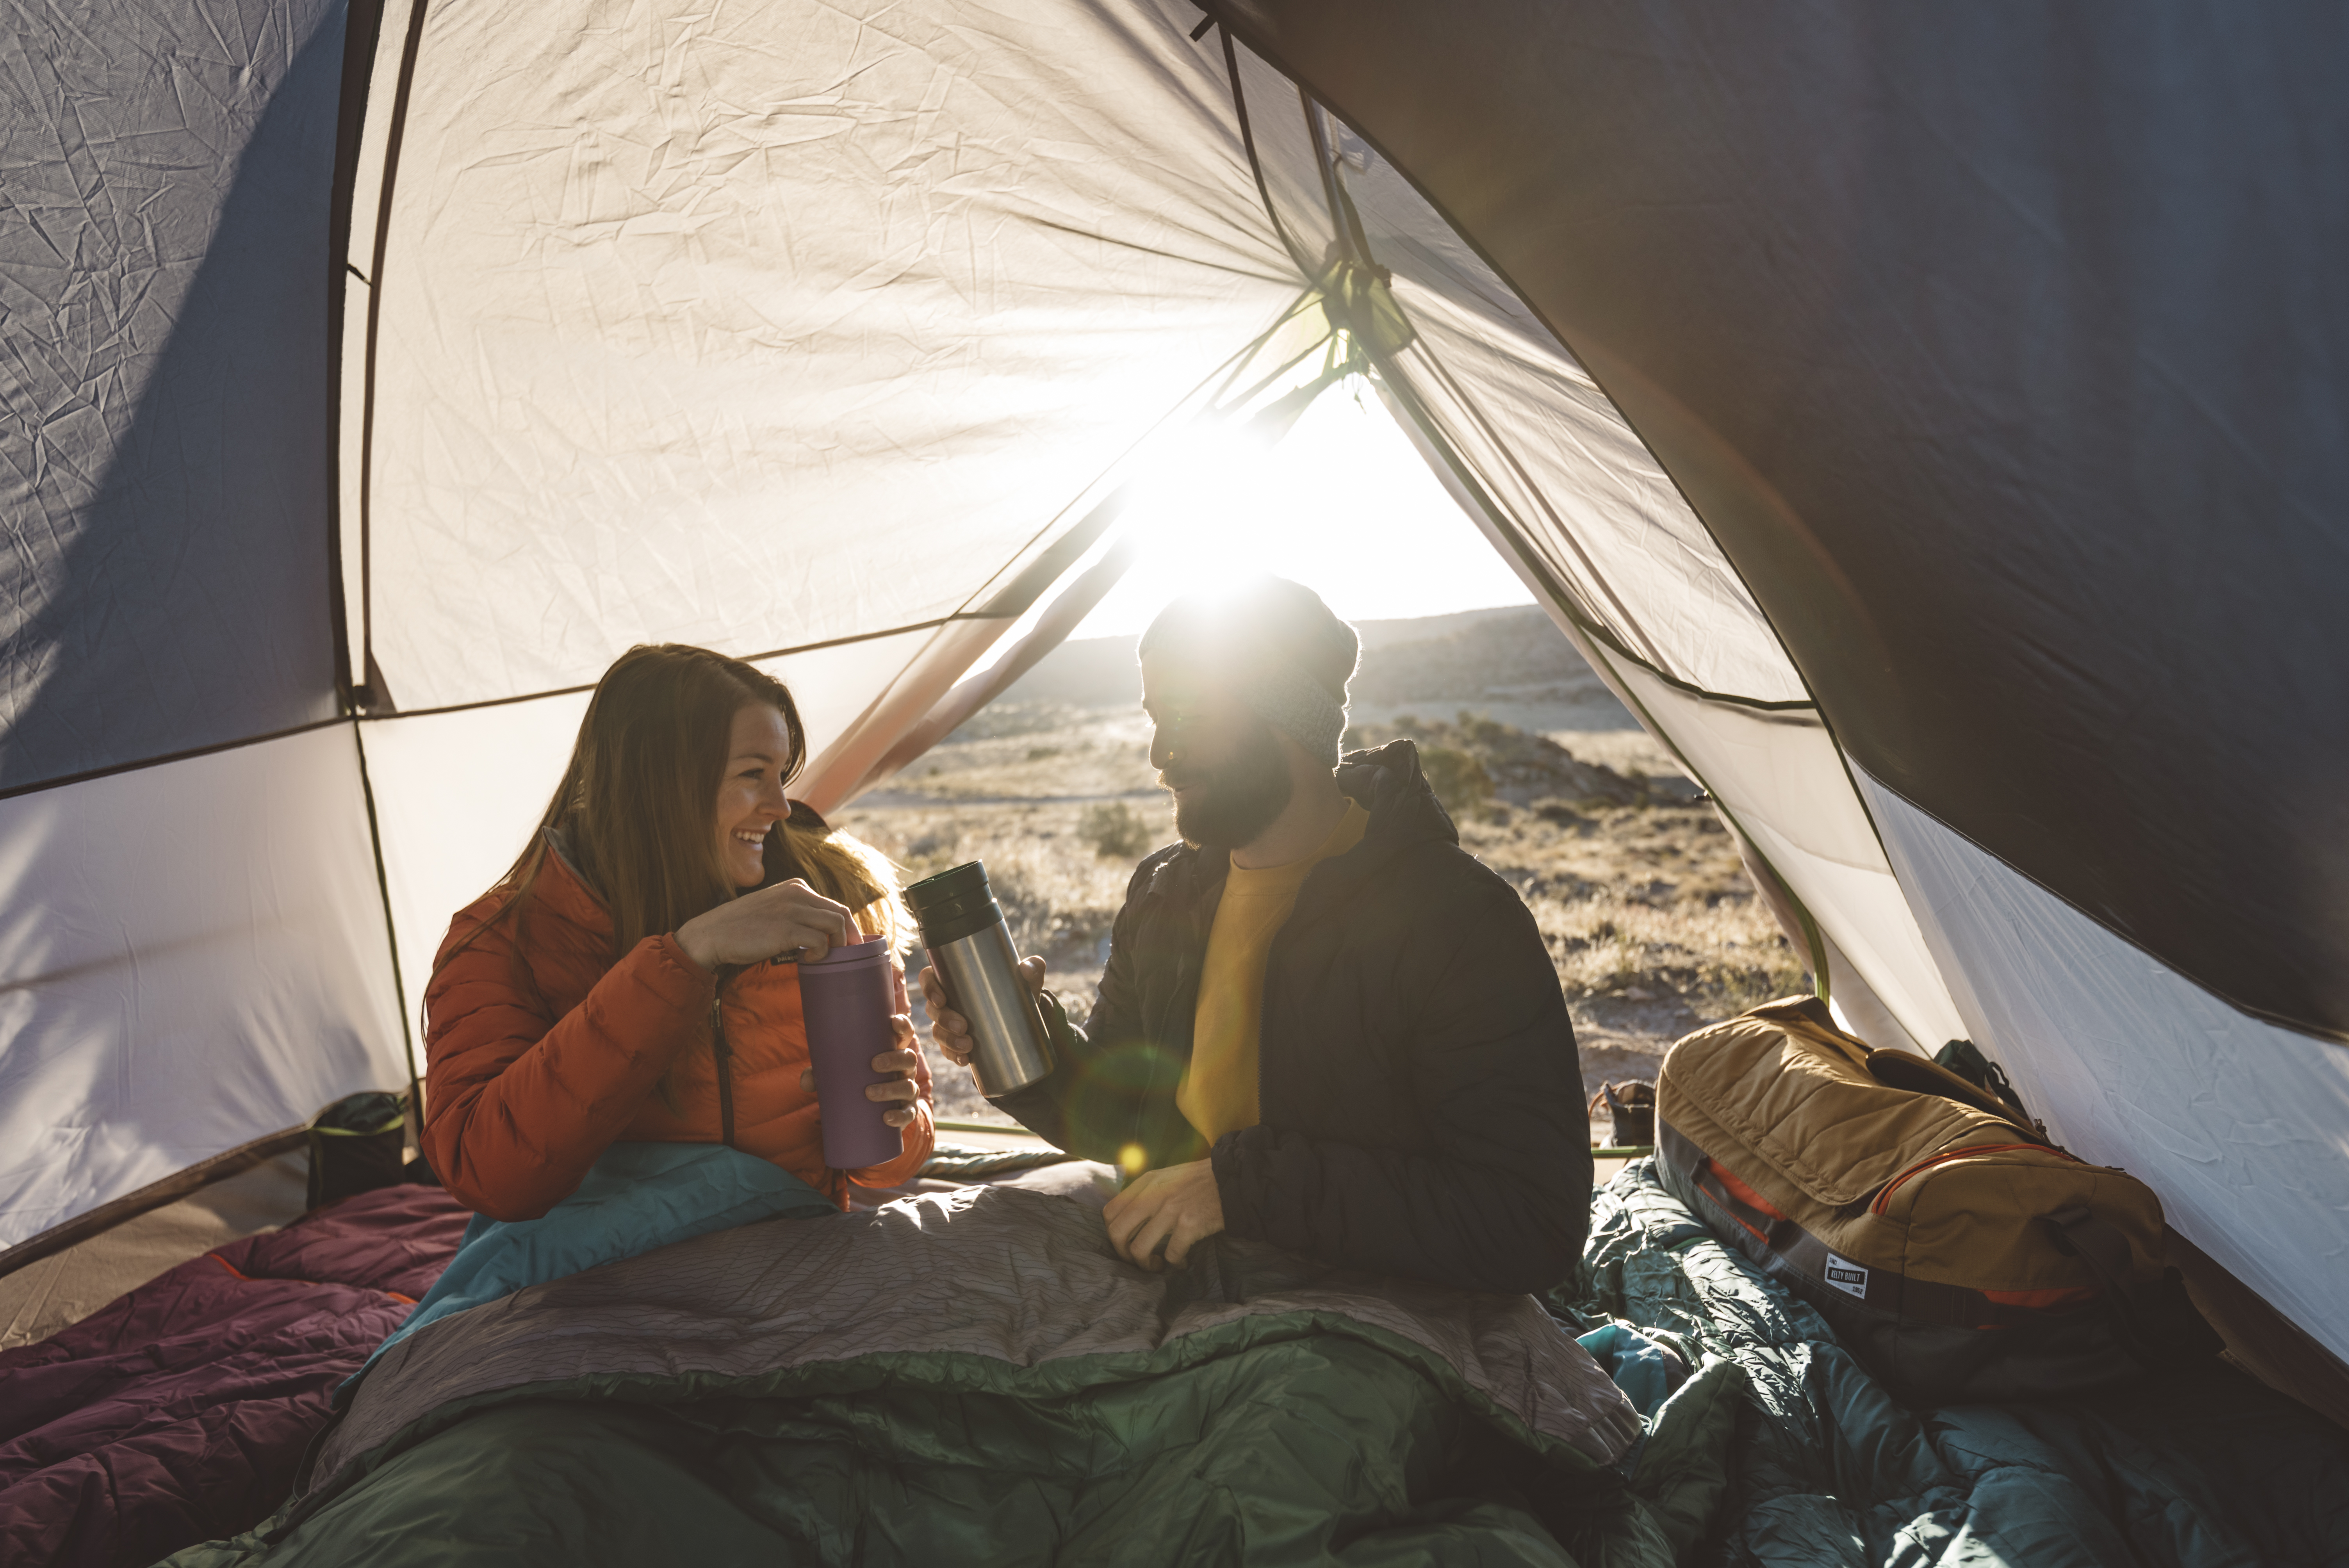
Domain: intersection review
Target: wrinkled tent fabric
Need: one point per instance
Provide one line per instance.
(164, 287)
(193, 952)
(2017, 396)
(2007, 353)
(829, 336)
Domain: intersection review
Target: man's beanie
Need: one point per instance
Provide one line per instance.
(1286, 653)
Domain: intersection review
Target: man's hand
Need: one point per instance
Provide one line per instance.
(950, 1029)
(789, 917)
(1174, 1208)
(900, 1086)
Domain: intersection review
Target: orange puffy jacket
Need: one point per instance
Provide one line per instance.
(534, 1069)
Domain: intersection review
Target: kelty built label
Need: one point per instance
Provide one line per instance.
(1847, 1276)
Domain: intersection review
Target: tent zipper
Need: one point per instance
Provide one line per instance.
(1884, 1195)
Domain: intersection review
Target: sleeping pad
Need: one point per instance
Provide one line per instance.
(971, 1377)
(2200, 1468)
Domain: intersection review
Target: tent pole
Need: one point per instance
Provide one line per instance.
(391, 941)
(362, 26)
(365, 695)
(154, 1195)
(1048, 633)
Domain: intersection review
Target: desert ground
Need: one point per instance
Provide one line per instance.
(1650, 919)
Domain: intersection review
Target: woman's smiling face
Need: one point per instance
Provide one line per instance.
(751, 792)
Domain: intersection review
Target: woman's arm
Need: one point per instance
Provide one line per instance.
(519, 1104)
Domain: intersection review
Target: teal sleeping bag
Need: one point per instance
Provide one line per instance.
(2205, 1468)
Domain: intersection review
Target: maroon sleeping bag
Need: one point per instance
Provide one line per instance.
(179, 1412)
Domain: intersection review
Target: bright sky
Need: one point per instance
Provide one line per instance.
(1344, 505)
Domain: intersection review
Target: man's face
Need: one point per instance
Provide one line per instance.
(1225, 766)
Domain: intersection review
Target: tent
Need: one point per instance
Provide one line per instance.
(1931, 425)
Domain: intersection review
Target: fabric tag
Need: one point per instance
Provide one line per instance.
(1847, 1276)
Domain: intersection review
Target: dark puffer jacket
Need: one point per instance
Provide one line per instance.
(1421, 1091)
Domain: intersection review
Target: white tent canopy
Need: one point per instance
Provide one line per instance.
(824, 335)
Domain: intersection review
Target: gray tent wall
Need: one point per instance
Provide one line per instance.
(2006, 352)
(193, 950)
(825, 335)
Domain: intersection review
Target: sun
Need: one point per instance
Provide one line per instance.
(1344, 504)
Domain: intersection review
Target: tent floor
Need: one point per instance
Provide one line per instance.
(55, 1292)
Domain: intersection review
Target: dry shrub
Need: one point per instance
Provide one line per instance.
(1458, 779)
(1719, 959)
(1647, 912)
(1116, 830)
(1059, 894)
(1641, 898)
(1476, 758)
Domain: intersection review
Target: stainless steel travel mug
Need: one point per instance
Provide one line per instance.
(962, 926)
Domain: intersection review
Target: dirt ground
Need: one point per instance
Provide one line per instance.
(1650, 919)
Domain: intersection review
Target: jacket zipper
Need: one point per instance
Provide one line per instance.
(1884, 1196)
(725, 1055)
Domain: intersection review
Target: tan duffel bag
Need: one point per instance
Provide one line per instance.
(1957, 1252)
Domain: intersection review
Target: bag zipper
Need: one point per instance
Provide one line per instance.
(1884, 1196)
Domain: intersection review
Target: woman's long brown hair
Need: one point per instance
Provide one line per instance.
(634, 807)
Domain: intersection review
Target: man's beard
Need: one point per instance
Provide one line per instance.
(1234, 803)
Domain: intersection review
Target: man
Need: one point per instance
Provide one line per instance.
(1323, 1024)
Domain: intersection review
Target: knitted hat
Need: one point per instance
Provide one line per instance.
(1287, 657)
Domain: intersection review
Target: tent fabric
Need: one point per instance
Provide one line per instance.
(2234, 1122)
(163, 374)
(197, 955)
(1780, 778)
(535, 219)
(817, 309)
(2005, 352)
(1773, 771)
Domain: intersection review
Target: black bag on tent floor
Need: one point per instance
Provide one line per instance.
(356, 1146)
(1956, 1251)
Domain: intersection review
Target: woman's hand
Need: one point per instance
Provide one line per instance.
(949, 1029)
(787, 917)
(899, 1065)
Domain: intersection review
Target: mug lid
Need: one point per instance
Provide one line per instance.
(853, 952)
(961, 884)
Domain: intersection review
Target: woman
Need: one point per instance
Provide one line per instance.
(615, 985)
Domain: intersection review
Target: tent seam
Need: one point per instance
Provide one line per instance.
(393, 135)
(1565, 602)
(189, 754)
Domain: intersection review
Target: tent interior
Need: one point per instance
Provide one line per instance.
(373, 380)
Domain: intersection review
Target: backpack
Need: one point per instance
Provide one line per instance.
(1957, 1252)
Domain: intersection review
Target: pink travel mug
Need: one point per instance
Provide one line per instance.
(845, 1000)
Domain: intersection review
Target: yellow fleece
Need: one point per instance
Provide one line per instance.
(1218, 1093)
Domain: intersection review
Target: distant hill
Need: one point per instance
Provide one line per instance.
(1513, 654)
